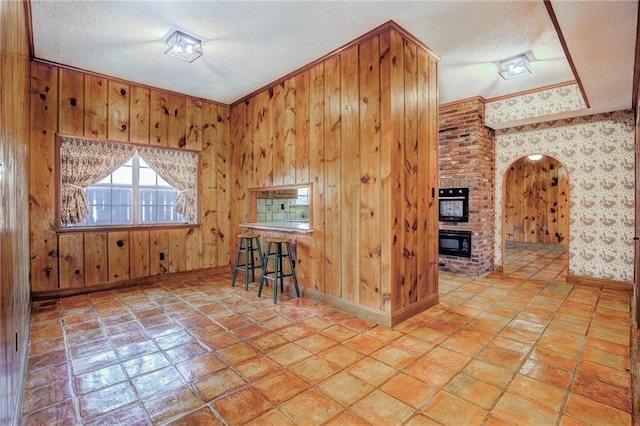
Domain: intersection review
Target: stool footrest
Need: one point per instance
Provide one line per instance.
(275, 253)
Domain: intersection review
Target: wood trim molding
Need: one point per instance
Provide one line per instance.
(29, 25)
(463, 101)
(416, 308)
(115, 285)
(370, 314)
(563, 42)
(389, 25)
(601, 283)
(363, 312)
(528, 92)
(499, 268)
(130, 82)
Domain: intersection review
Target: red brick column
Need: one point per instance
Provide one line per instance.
(466, 158)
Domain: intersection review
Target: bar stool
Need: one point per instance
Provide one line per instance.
(248, 243)
(276, 254)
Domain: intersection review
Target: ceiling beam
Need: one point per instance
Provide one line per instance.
(556, 25)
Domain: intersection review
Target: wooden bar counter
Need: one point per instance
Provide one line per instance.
(297, 226)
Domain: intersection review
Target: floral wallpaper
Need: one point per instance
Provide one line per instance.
(598, 152)
(545, 102)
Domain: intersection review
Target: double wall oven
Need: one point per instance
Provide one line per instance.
(454, 207)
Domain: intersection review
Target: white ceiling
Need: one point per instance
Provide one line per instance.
(249, 44)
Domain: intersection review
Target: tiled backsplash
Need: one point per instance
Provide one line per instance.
(274, 210)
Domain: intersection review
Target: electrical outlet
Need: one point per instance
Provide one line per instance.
(161, 256)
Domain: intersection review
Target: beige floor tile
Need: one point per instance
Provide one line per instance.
(214, 385)
(474, 391)
(347, 418)
(519, 411)
(314, 369)
(345, 388)
(409, 390)
(372, 371)
(379, 408)
(281, 386)
(450, 410)
(536, 391)
(311, 407)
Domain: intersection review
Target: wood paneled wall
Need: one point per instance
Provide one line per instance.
(361, 126)
(536, 202)
(14, 222)
(80, 104)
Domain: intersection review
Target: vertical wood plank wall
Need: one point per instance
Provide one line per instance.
(361, 126)
(80, 104)
(536, 201)
(14, 222)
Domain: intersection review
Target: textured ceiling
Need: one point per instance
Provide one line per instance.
(249, 44)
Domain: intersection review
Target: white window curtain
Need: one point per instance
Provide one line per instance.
(82, 163)
(180, 169)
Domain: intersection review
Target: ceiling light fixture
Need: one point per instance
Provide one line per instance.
(535, 157)
(183, 46)
(514, 67)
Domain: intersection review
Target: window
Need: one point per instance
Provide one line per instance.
(115, 184)
(157, 199)
(303, 196)
(134, 194)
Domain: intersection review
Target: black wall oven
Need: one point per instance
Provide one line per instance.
(454, 243)
(453, 205)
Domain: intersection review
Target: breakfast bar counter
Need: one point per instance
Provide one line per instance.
(297, 226)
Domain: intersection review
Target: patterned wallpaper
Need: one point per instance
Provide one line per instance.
(545, 102)
(598, 152)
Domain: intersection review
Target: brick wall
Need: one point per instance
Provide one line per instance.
(466, 159)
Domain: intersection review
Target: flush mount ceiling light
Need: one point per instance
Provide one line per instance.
(535, 157)
(183, 46)
(514, 67)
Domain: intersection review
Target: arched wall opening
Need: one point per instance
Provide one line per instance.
(535, 210)
(598, 153)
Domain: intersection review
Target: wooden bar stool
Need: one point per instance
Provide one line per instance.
(276, 254)
(248, 243)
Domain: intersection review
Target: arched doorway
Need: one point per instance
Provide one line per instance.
(535, 219)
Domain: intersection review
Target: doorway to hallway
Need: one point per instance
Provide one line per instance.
(536, 218)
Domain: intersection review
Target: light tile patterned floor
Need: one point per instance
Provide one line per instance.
(503, 349)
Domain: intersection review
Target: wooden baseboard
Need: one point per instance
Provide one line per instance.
(363, 312)
(601, 283)
(406, 313)
(369, 314)
(116, 285)
(498, 268)
(24, 362)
